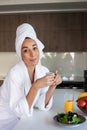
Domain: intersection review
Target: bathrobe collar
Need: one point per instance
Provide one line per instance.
(36, 76)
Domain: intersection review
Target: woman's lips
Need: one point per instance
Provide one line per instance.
(33, 59)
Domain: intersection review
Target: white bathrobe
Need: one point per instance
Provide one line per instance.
(13, 103)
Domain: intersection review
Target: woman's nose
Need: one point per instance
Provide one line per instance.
(31, 53)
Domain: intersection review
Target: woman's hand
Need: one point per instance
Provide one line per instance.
(51, 80)
(57, 80)
(47, 80)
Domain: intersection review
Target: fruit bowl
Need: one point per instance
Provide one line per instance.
(83, 109)
(82, 102)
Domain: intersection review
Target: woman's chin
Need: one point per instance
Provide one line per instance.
(34, 63)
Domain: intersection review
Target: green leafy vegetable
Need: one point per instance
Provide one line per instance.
(68, 118)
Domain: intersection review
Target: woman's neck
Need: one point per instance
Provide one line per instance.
(31, 72)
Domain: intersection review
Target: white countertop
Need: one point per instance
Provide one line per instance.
(44, 120)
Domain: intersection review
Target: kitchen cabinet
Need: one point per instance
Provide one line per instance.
(59, 31)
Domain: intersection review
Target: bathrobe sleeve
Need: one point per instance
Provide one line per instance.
(41, 99)
(17, 100)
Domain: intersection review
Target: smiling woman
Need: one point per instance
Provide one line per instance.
(27, 84)
(30, 52)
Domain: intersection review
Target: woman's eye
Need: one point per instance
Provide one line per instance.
(35, 48)
(25, 51)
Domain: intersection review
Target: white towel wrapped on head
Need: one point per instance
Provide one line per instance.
(26, 30)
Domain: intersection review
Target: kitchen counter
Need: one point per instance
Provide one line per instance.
(44, 120)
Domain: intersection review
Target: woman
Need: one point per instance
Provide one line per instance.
(27, 84)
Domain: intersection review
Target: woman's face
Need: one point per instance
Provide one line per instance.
(30, 53)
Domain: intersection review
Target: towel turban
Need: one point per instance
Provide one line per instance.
(26, 30)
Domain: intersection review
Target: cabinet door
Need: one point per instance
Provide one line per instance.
(59, 32)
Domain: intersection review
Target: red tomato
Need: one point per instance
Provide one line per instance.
(81, 103)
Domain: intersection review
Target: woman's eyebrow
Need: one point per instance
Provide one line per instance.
(24, 47)
(27, 47)
(34, 44)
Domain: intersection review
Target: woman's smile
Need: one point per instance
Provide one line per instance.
(34, 60)
(30, 52)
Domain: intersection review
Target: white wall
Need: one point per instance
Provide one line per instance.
(7, 60)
